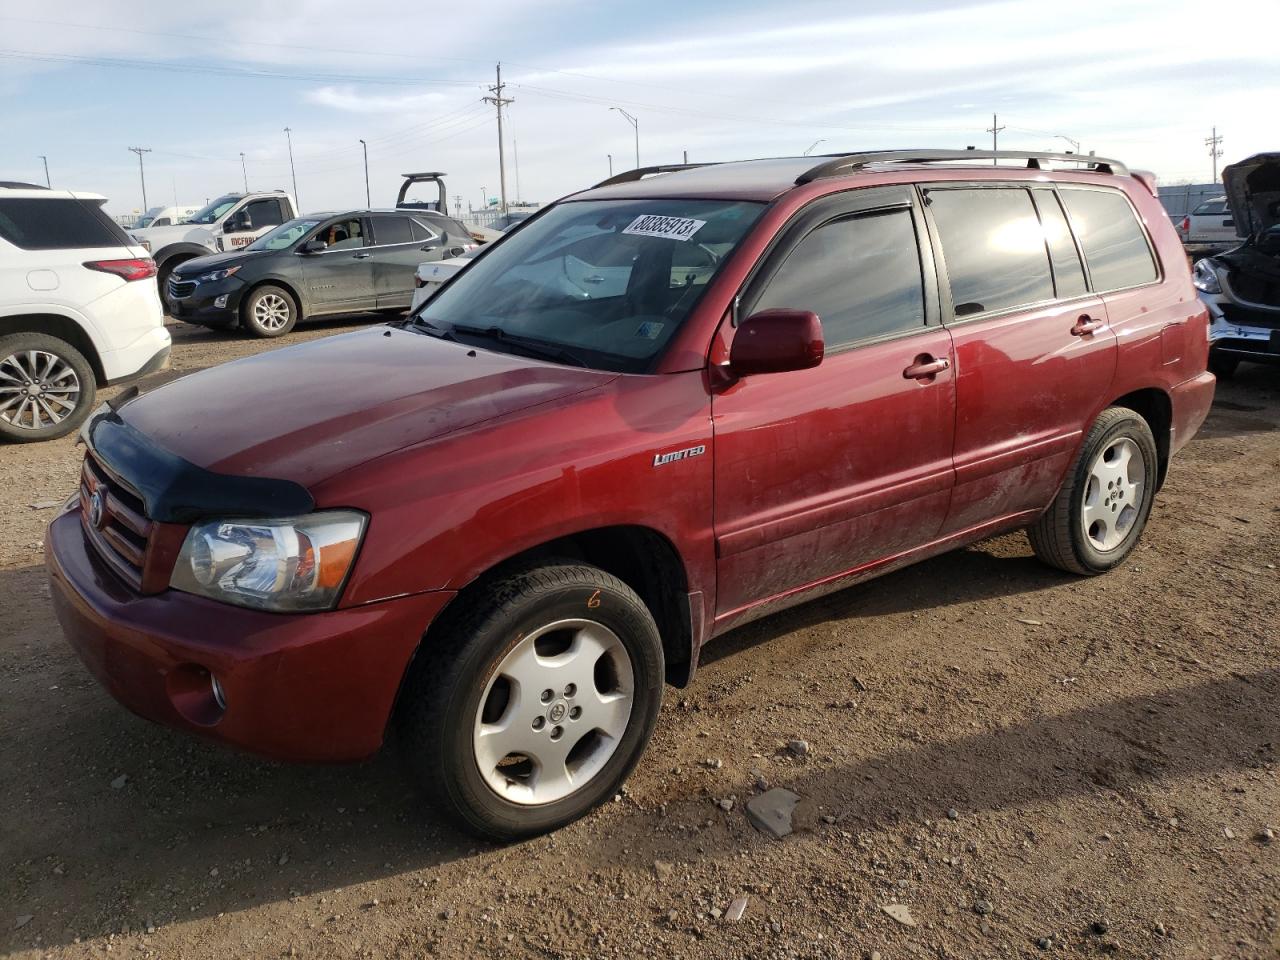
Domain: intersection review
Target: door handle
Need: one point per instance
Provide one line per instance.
(926, 367)
(1085, 325)
(361, 256)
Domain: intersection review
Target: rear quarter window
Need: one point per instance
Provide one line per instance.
(57, 223)
(1114, 243)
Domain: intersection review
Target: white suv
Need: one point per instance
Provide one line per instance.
(72, 316)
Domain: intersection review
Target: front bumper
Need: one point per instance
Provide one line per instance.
(1241, 341)
(215, 304)
(316, 687)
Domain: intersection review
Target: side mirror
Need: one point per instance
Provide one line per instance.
(314, 246)
(236, 223)
(775, 341)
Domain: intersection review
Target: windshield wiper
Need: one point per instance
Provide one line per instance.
(539, 348)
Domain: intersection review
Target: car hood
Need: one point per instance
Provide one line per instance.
(1253, 191)
(215, 260)
(159, 236)
(308, 412)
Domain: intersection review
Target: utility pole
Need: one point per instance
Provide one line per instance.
(994, 130)
(457, 205)
(245, 171)
(292, 173)
(367, 201)
(499, 101)
(46, 171)
(610, 156)
(1214, 143)
(140, 151)
(636, 126)
(685, 161)
(515, 151)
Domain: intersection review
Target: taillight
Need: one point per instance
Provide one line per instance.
(1185, 226)
(418, 282)
(138, 269)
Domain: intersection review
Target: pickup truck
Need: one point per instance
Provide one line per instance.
(231, 221)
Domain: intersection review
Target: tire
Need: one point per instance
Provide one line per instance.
(1224, 368)
(1102, 492)
(269, 311)
(65, 388)
(459, 693)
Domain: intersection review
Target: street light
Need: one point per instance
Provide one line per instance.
(367, 202)
(636, 126)
(812, 145)
(1075, 144)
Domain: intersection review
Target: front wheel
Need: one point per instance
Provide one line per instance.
(1102, 508)
(47, 388)
(269, 311)
(531, 702)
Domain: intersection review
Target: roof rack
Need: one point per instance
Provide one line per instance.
(639, 173)
(835, 165)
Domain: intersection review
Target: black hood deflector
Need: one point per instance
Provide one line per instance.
(175, 490)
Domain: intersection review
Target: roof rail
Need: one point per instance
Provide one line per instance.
(835, 165)
(639, 173)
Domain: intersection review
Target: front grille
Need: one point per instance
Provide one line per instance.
(118, 528)
(181, 289)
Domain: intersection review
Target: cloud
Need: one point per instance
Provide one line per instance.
(355, 101)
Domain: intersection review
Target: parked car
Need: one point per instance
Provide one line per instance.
(500, 525)
(165, 216)
(73, 316)
(314, 266)
(1209, 226)
(231, 221)
(1241, 287)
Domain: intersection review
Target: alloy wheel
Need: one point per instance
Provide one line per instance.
(271, 312)
(38, 389)
(1113, 494)
(554, 711)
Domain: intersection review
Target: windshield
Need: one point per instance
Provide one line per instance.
(213, 211)
(146, 218)
(606, 282)
(283, 236)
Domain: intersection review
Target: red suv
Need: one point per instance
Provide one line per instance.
(657, 410)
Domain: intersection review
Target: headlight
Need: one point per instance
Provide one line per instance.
(285, 565)
(1205, 277)
(215, 275)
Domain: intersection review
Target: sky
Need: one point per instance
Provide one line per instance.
(1144, 81)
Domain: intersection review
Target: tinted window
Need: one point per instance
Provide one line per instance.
(263, 213)
(1068, 275)
(993, 247)
(56, 224)
(1114, 245)
(391, 230)
(860, 275)
(421, 233)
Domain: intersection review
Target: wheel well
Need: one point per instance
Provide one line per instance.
(1154, 406)
(56, 325)
(175, 259)
(644, 560)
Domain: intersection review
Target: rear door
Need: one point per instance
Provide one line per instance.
(821, 471)
(1034, 351)
(401, 243)
(340, 277)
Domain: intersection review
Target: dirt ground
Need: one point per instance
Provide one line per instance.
(1033, 764)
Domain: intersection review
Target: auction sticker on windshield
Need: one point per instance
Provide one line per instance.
(672, 228)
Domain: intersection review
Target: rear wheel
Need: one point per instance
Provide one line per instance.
(532, 700)
(47, 388)
(269, 311)
(1102, 508)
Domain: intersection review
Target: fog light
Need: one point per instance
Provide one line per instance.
(219, 695)
(220, 301)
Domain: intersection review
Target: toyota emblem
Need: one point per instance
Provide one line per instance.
(95, 509)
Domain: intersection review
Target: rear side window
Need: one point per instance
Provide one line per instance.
(1068, 275)
(994, 248)
(1114, 245)
(421, 233)
(1210, 207)
(860, 275)
(388, 230)
(57, 224)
